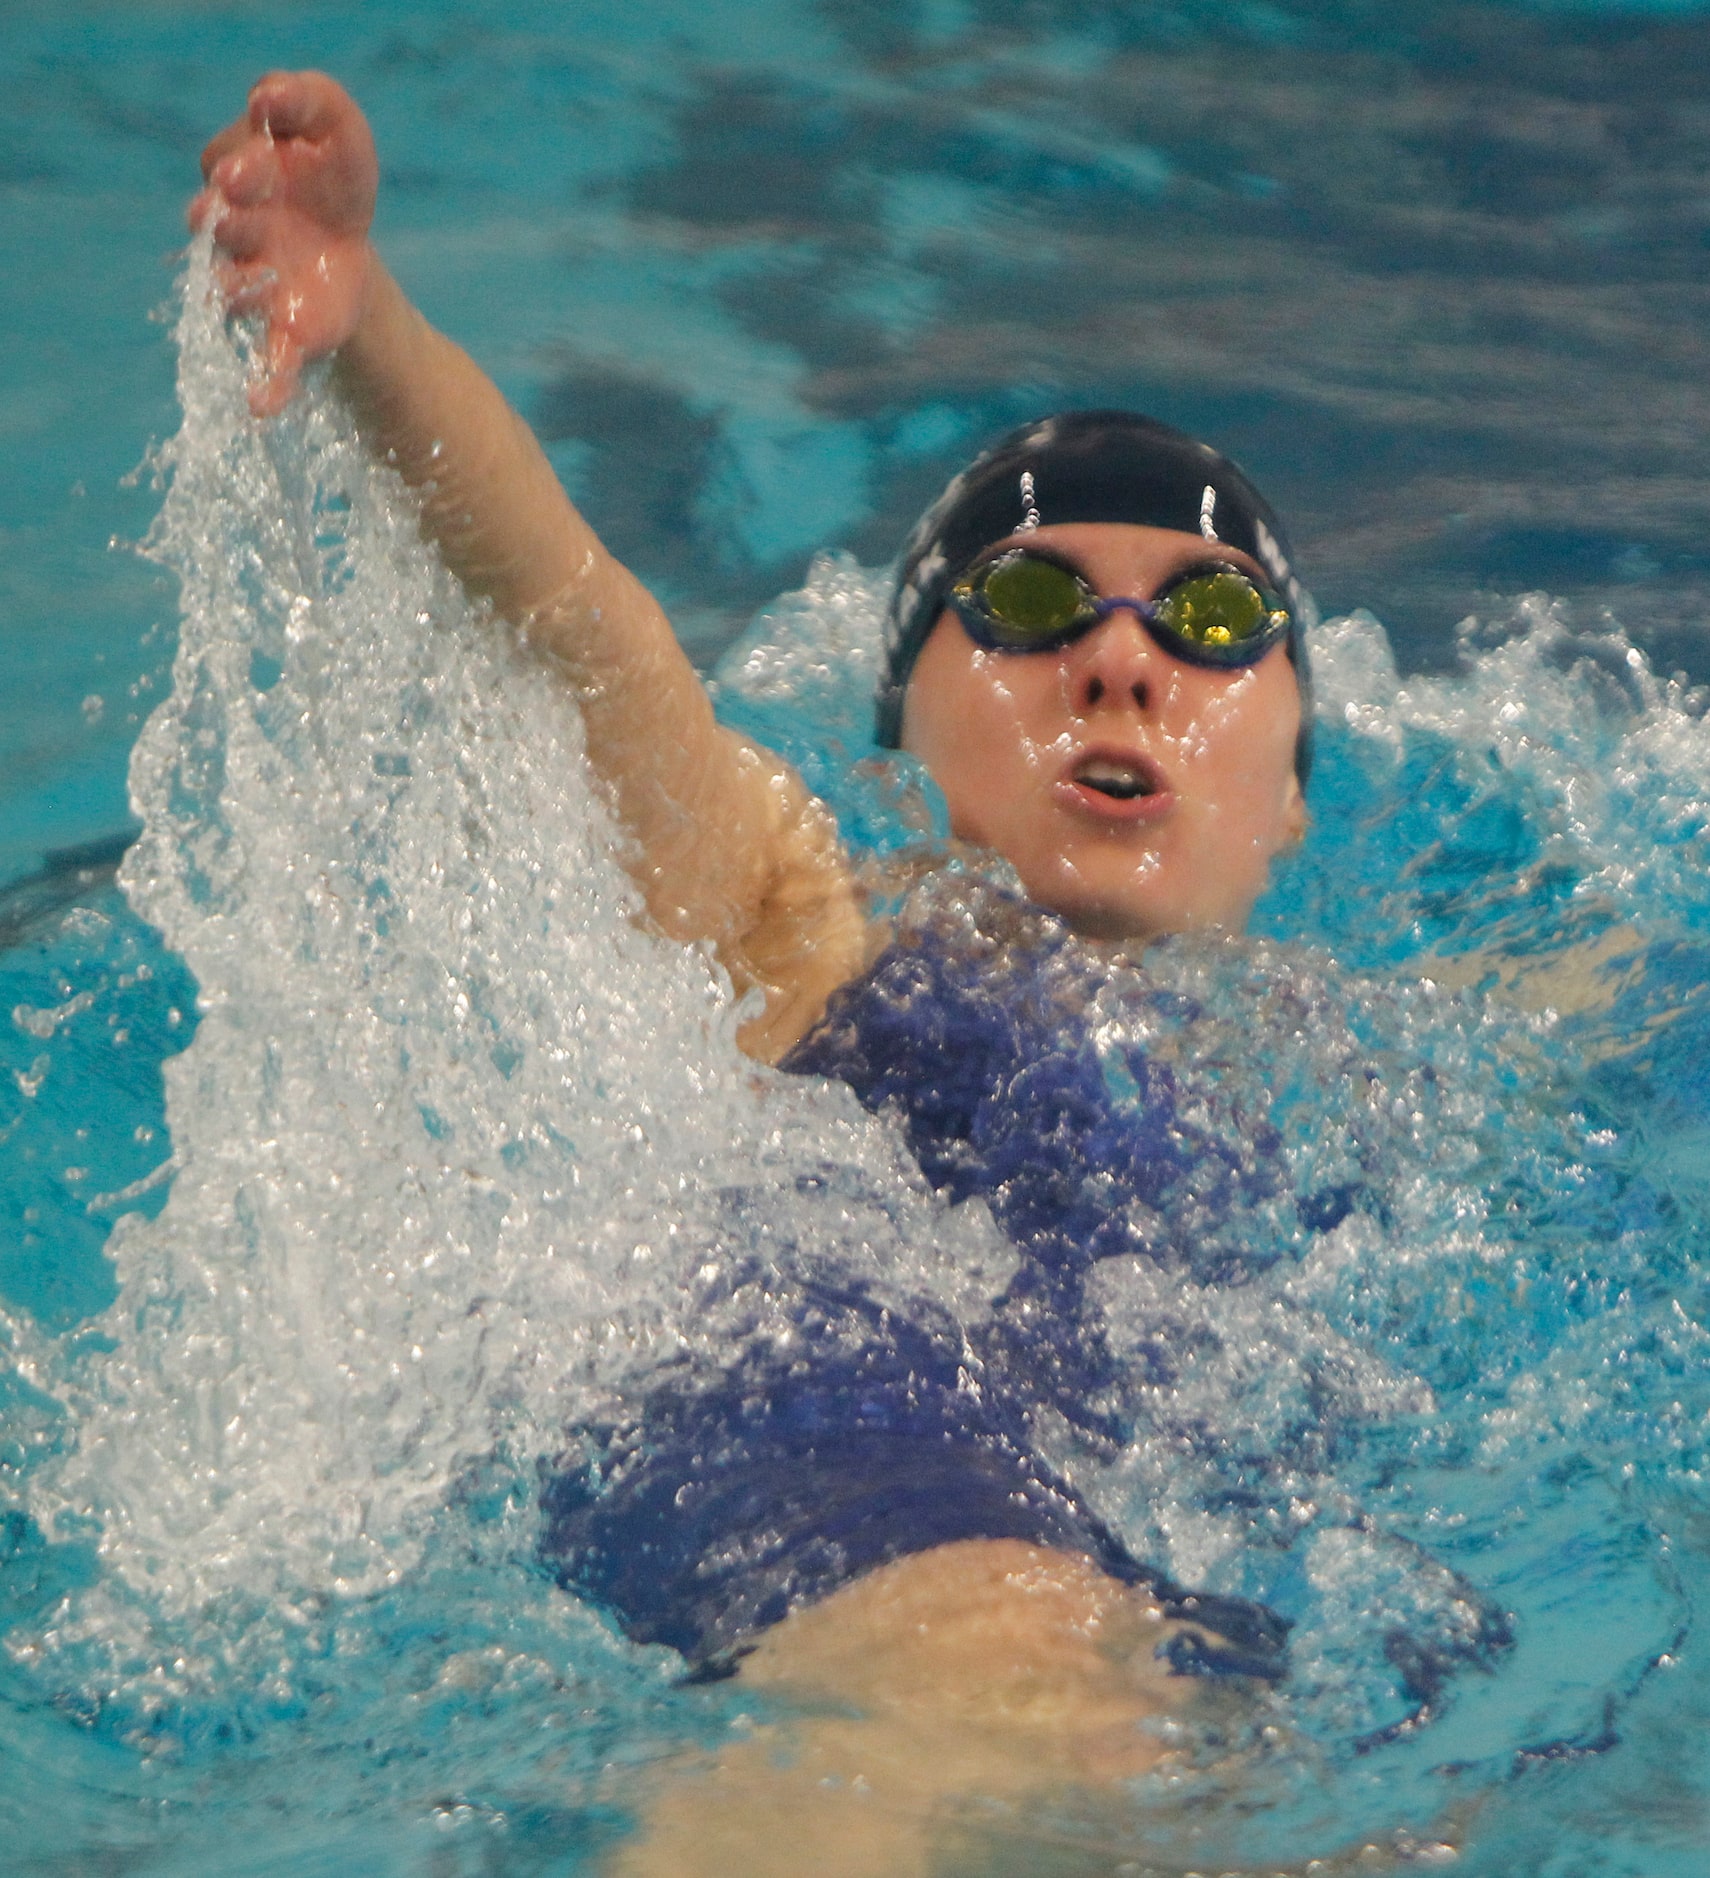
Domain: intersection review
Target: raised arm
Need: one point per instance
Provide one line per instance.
(729, 847)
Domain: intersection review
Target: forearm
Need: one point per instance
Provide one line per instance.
(490, 499)
(728, 847)
(493, 505)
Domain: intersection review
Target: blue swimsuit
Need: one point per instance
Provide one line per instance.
(721, 1507)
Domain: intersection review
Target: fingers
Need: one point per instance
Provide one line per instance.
(270, 394)
(248, 177)
(288, 196)
(241, 233)
(248, 289)
(236, 209)
(231, 138)
(281, 104)
(239, 165)
(245, 289)
(303, 138)
(297, 104)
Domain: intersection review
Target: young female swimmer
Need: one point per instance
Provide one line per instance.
(1094, 651)
(733, 849)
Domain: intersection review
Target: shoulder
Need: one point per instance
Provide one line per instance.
(809, 934)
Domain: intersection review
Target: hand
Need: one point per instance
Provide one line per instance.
(289, 196)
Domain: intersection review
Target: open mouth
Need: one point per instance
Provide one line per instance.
(1122, 782)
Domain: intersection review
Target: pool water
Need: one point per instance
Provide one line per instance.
(358, 1144)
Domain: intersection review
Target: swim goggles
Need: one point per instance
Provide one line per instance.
(1023, 600)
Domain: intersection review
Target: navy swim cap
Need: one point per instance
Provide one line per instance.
(1082, 466)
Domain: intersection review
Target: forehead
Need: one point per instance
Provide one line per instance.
(1125, 557)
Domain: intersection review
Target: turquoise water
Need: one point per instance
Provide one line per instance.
(760, 276)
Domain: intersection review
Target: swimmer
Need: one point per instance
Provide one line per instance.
(1135, 762)
(1095, 651)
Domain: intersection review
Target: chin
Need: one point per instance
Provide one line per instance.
(1132, 916)
(1096, 916)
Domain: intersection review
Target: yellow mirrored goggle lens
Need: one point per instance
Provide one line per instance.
(1024, 602)
(1223, 609)
(1030, 597)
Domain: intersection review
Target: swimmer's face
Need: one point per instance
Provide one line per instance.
(1134, 793)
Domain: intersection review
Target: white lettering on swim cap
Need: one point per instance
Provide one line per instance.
(1270, 552)
(1207, 508)
(1029, 508)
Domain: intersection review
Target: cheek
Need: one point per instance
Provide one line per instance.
(976, 720)
(988, 764)
(1241, 731)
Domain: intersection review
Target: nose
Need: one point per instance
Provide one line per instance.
(1113, 667)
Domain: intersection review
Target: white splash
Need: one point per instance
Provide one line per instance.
(457, 1138)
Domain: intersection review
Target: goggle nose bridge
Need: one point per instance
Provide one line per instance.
(1146, 611)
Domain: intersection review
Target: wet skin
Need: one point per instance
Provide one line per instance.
(974, 1679)
(1133, 792)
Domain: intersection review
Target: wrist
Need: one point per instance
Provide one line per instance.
(374, 314)
(377, 358)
